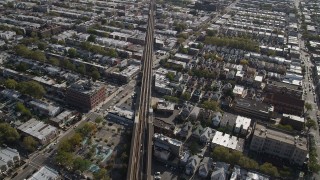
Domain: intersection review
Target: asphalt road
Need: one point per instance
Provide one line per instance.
(310, 96)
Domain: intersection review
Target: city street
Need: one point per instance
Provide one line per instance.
(309, 89)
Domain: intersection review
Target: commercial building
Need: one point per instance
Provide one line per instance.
(40, 131)
(279, 143)
(85, 95)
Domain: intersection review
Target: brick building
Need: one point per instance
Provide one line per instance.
(85, 95)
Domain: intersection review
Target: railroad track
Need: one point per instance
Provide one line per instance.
(141, 146)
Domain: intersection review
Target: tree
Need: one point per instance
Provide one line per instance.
(29, 143)
(248, 163)
(10, 84)
(221, 153)
(98, 120)
(81, 69)
(32, 88)
(92, 38)
(38, 56)
(186, 96)
(244, 62)
(8, 134)
(72, 52)
(101, 175)
(86, 129)
(22, 50)
(42, 45)
(310, 123)
(211, 32)
(95, 75)
(64, 159)
(65, 146)
(268, 168)
(170, 76)
(26, 112)
(210, 105)
(308, 106)
(194, 147)
(171, 98)
(54, 61)
(75, 140)
(80, 164)
(22, 66)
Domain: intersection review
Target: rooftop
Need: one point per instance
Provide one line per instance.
(45, 173)
(275, 134)
(37, 129)
(86, 86)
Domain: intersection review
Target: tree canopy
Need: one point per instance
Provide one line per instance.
(29, 143)
(32, 88)
(8, 134)
(234, 42)
(11, 84)
(210, 105)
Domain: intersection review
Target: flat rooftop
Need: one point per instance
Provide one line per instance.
(278, 135)
(86, 86)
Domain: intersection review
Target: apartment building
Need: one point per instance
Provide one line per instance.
(279, 143)
(85, 95)
(284, 103)
(253, 109)
(282, 87)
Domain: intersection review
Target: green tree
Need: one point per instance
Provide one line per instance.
(101, 175)
(75, 140)
(310, 123)
(8, 134)
(98, 120)
(22, 66)
(86, 129)
(95, 75)
(80, 164)
(29, 143)
(10, 84)
(244, 62)
(221, 153)
(64, 159)
(170, 76)
(210, 105)
(54, 61)
(42, 45)
(65, 146)
(22, 50)
(211, 32)
(20, 107)
(171, 98)
(308, 106)
(81, 69)
(248, 163)
(194, 147)
(72, 52)
(31, 88)
(92, 38)
(186, 96)
(38, 56)
(268, 168)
